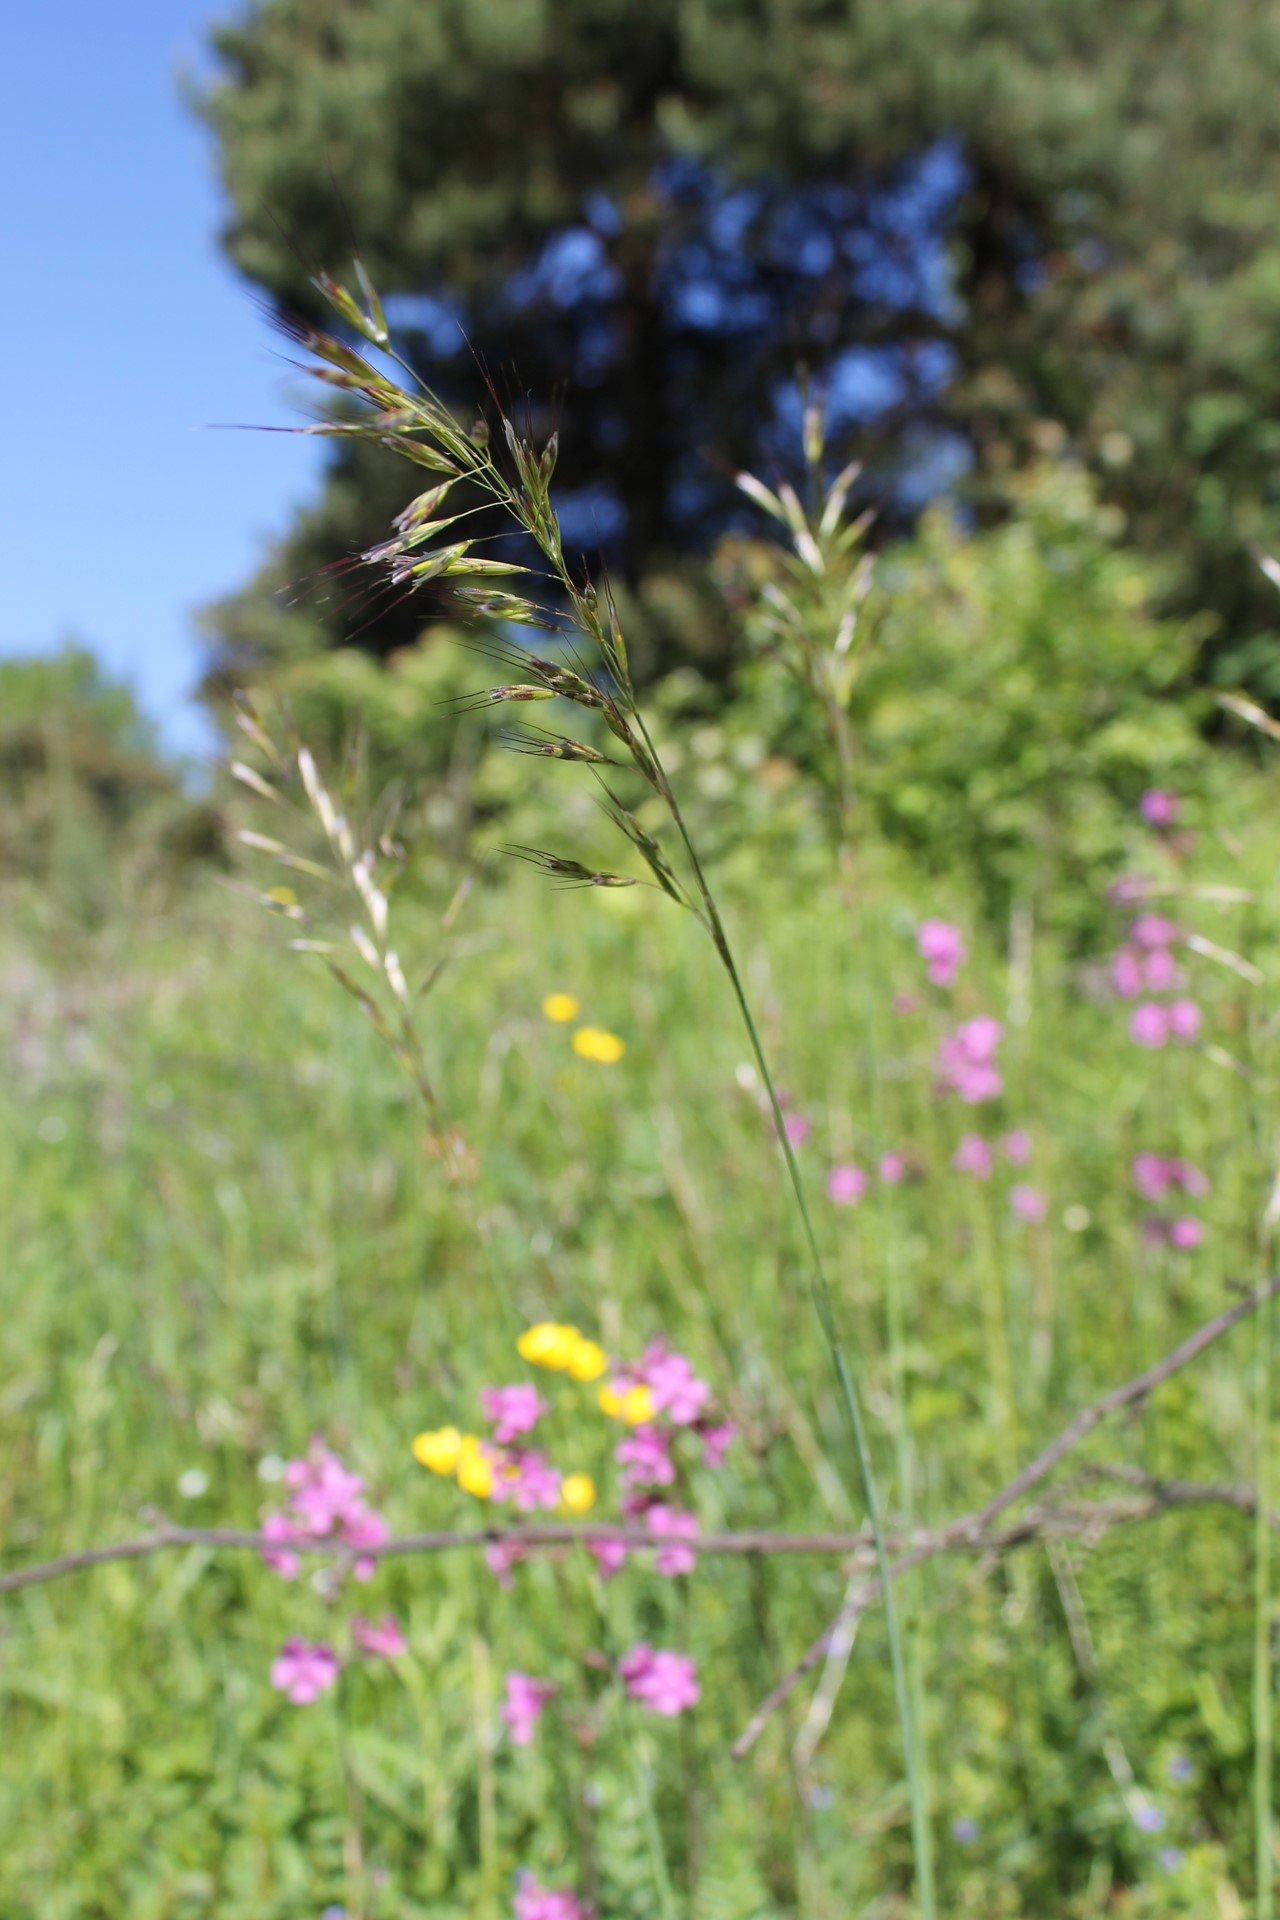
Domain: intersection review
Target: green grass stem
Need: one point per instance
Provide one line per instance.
(824, 1307)
(1264, 1860)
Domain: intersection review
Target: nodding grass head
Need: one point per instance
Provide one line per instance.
(500, 696)
(556, 746)
(494, 605)
(563, 680)
(571, 873)
(646, 846)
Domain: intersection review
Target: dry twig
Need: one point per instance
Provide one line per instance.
(1087, 1520)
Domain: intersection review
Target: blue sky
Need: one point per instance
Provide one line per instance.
(124, 336)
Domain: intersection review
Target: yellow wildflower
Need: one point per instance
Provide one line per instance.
(587, 1361)
(578, 1492)
(475, 1468)
(598, 1044)
(635, 1406)
(560, 1007)
(548, 1344)
(438, 1450)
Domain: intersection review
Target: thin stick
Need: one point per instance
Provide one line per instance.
(1125, 1396)
(971, 1529)
(1086, 1519)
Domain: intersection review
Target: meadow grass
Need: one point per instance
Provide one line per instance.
(226, 1230)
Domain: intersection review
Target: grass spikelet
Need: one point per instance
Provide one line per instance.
(555, 746)
(570, 872)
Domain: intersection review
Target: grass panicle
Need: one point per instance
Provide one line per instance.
(416, 419)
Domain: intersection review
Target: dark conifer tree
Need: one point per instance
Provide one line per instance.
(977, 219)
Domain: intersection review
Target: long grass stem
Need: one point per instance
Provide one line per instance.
(1262, 1659)
(824, 1306)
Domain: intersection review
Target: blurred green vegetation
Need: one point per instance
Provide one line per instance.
(89, 810)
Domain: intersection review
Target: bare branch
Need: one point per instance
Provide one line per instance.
(165, 1538)
(1083, 1519)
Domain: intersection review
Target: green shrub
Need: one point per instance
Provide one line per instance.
(1020, 695)
(1011, 693)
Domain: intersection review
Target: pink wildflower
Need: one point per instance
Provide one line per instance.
(1154, 1232)
(1028, 1203)
(278, 1526)
(1160, 971)
(1017, 1147)
(973, 1155)
(1152, 930)
(500, 1556)
(1126, 973)
(1186, 1234)
(362, 1527)
(676, 1389)
(302, 1672)
(1150, 1175)
(515, 1410)
(1153, 1175)
(669, 1524)
(1149, 1025)
(1158, 808)
(975, 1084)
(1184, 1019)
(846, 1185)
(1128, 888)
(942, 949)
(716, 1442)
(893, 1169)
(522, 1708)
(322, 1489)
(980, 1036)
(636, 1663)
(535, 1902)
(966, 1060)
(797, 1128)
(325, 1504)
(666, 1682)
(382, 1640)
(905, 1003)
(609, 1555)
(530, 1481)
(645, 1458)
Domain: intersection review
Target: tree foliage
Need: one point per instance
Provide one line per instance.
(970, 216)
(84, 791)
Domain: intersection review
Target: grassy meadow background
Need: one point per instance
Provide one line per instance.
(224, 1233)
